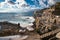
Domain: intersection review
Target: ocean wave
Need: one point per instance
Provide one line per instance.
(23, 20)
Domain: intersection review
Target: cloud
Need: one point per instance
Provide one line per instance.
(51, 2)
(23, 6)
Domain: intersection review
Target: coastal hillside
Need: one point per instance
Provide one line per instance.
(45, 27)
(57, 8)
(47, 20)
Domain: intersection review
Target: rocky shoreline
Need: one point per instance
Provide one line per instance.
(10, 29)
(45, 26)
(7, 29)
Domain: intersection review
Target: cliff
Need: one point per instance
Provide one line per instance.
(57, 8)
(47, 19)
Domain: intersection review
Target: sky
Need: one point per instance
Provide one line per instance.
(27, 0)
(4, 0)
(24, 5)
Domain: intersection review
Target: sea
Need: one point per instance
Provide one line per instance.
(22, 18)
(25, 19)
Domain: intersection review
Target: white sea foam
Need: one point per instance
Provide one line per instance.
(23, 20)
(14, 37)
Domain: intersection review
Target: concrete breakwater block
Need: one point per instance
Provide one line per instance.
(14, 37)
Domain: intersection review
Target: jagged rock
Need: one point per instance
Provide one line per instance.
(30, 29)
(47, 20)
(58, 35)
(7, 28)
(57, 9)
